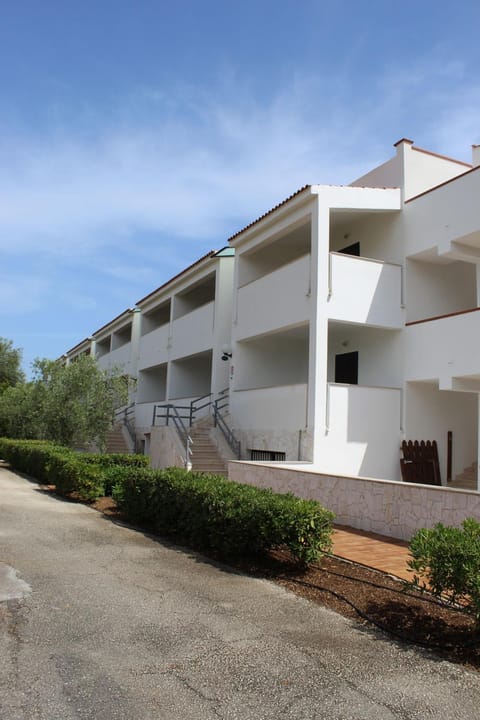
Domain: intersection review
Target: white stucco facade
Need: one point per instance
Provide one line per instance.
(350, 316)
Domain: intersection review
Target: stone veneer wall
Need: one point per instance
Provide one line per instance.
(164, 448)
(387, 507)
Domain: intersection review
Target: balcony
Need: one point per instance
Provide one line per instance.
(365, 291)
(273, 408)
(444, 348)
(193, 333)
(279, 299)
(362, 432)
(154, 347)
(119, 358)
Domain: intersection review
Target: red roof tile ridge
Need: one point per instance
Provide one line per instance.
(210, 254)
(269, 212)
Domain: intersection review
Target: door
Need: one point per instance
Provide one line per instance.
(346, 368)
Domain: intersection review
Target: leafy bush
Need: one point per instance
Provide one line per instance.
(446, 561)
(29, 456)
(209, 512)
(70, 474)
(110, 464)
(56, 465)
(114, 459)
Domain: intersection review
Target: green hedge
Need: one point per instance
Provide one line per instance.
(446, 562)
(209, 513)
(29, 456)
(111, 462)
(89, 475)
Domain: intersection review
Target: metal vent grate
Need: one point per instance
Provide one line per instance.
(267, 455)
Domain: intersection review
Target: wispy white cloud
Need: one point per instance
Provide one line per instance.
(198, 164)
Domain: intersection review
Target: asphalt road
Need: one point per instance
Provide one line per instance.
(98, 621)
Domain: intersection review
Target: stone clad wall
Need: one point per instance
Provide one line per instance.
(387, 507)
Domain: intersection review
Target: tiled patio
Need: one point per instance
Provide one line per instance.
(375, 551)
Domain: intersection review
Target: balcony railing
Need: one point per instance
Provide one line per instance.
(193, 333)
(154, 347)
(362, 290)
(444, 347)
(276, 300)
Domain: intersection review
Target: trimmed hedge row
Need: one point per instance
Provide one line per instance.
(211, 513)
(88, 475)
(206, 512)
(111, 462)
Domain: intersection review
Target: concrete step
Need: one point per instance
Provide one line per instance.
(115, 442)
(205, 455)
(466, 480)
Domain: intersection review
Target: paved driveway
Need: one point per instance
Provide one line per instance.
(103, 622)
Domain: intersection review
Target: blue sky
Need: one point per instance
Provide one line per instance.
(135, 137)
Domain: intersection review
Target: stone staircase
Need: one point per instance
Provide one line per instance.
(467, 480)
(115, 441)
(205, 455)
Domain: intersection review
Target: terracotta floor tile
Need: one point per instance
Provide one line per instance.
(375, 551)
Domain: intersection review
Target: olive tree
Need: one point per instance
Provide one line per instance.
(78, 400)
(70, 404)
(10, 365)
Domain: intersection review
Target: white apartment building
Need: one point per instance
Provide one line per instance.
(349, 320)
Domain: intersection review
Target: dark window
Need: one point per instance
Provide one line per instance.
(346, 368)
(351, 249)
(266, 455)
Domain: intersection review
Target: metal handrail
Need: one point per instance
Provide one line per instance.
(177, 419)
(126, 416)
(194, 408)
(218, 420)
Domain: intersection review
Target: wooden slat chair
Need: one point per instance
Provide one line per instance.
(420, 462)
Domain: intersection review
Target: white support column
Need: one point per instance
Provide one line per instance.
(135, 341)
(317, 376)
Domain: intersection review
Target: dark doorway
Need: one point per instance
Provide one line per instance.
(346, 368)
(351, 249)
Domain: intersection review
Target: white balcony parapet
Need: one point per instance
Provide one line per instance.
(119, 358)
(154, 347)
(444, 348)
(279, 299)
(366, 291)
(281, 407)
(193, 333)
(363, 428)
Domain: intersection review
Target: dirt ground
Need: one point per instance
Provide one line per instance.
(370, 597)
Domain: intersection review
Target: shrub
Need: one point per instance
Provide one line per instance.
(70, 475)
(50, 463)
(446, 561)
(110, 464)
(209, 512)
(29, 456)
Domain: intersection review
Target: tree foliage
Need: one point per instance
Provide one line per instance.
(10, 365)
(70, 404)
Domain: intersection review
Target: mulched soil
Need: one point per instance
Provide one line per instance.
(367, 596)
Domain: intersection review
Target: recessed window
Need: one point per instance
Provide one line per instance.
(353, 249)
(346, 368)
(267, 455)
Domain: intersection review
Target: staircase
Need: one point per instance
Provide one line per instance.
(467, 480)
(115, 441)
(205, 456)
